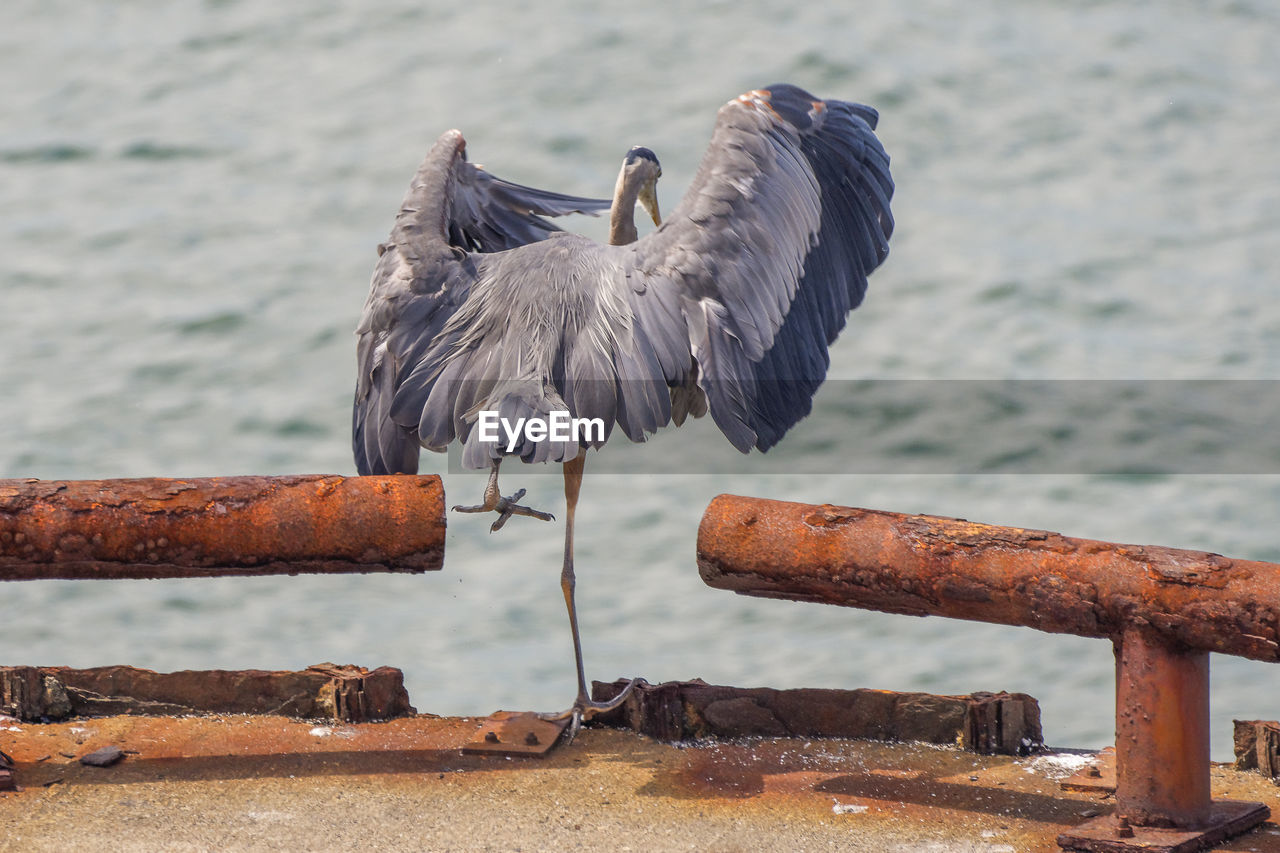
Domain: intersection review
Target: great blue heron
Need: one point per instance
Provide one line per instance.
(729, 306)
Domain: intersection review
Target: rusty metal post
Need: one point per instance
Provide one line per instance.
(1163, 801)
(1164, 608)
(210, 527)
(1162, 732)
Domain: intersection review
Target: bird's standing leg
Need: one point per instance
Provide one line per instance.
(504, 506)
(583, 708)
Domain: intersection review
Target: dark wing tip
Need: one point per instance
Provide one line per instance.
(762, 396)
(792, 103)
(801, 109)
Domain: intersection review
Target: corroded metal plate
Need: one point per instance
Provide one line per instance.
(516, 733)
(1106, 835)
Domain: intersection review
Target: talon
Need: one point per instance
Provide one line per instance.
(505, 506)
(590, 709)
(583, 709)
(508, 509)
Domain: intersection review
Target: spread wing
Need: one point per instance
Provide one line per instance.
(767, 254)
(492, 215)
(730, 305)
(452, 208)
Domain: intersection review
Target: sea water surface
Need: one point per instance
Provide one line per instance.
(190, 197)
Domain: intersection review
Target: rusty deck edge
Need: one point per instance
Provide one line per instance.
(987, 723)
(340, 693)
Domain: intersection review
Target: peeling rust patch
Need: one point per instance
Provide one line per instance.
(950, 534)
(1209, 570)
(831, 516)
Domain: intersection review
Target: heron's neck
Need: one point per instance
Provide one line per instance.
(622, 216)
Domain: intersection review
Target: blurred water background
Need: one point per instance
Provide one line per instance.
(190, 197)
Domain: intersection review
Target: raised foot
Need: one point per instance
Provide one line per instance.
(584, 709)
(505, 507)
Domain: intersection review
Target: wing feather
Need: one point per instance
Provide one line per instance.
(770, 249)
(423, 275)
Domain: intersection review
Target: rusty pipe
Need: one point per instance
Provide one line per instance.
(163, 528)
(925, 565)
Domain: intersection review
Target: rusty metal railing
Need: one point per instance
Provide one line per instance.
(161, 528)
(214, 527)
(1164, 609)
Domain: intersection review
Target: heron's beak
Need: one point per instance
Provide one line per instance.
(649, 198)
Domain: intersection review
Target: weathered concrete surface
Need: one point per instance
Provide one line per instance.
(271, 783)
(342, 693)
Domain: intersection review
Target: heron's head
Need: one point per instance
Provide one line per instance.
(641, 170)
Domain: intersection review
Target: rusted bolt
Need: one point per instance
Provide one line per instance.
(531, 739)
(1123, 829)
(490, 737)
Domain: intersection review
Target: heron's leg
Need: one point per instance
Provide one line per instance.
(568, 582)
(506, 507)
(583, 708)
